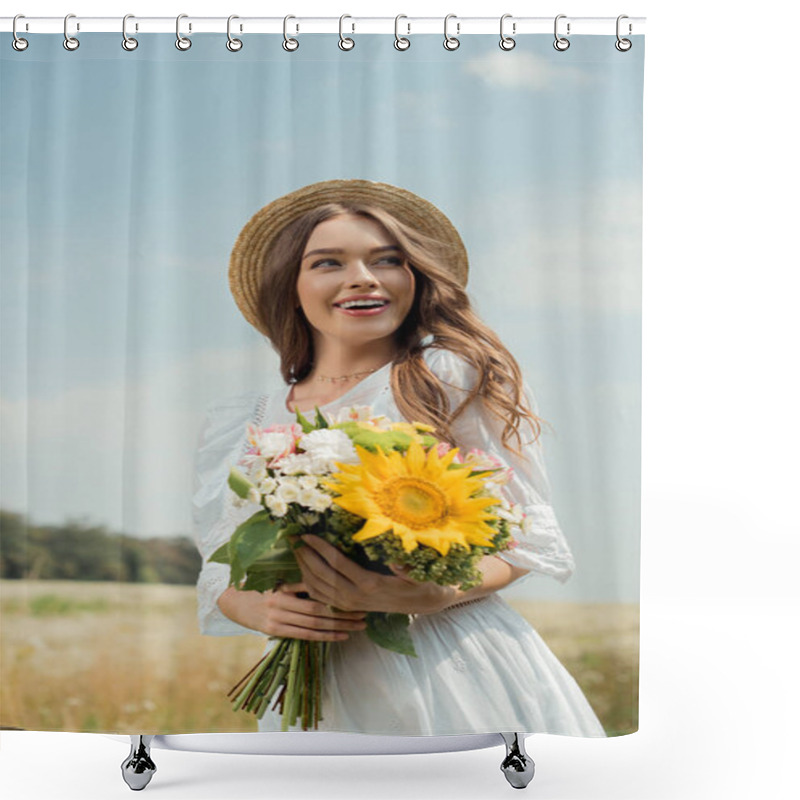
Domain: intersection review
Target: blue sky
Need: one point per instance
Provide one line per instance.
(127, 176)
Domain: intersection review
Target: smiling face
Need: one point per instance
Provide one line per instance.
(349, 258)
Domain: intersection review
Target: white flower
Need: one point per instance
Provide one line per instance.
(287, 490)
(294, 463)
(321, 501)
(253, 496)
(479, 461)
(307, 497)
(267, 486)
(504, 475)
(528, 526)
(327, 446)
(277, 506)
(274, 444)
(511, 513)
(258, 475)
(353, 414)
(491, 488)
(308, 481)
(254, 462)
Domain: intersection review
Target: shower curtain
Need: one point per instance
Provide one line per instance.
(131, 372)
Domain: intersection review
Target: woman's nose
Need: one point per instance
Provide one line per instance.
(360, 273)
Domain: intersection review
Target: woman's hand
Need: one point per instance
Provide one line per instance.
(282, 613)
(334, 579)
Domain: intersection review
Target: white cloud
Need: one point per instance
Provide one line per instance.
(423, 110)
(525, 71)
(581, 250)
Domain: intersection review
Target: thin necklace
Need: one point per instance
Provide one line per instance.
(346, 377)
(351, 375)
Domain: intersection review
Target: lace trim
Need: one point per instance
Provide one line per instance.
(214, 578)
(467, 603)
(258, 414)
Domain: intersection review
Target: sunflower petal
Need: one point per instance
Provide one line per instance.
(374, 526)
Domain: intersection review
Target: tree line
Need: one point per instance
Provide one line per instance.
(81, 552)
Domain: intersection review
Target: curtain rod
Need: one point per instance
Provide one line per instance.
(513, 26)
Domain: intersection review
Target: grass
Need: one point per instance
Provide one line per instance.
(116, 658)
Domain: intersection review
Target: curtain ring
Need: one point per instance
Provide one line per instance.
(561, 43)
(623, 45)
(289, 44)
(451, 42)
(345, 43)
(18, 43)
(181, 42)
(400, 42)
(70, 42)
(506, 42)
(234, 45)
(128, 42)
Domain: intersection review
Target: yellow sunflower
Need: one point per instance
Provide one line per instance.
(415, 496)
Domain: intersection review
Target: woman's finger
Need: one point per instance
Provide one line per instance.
(337, 560)
(319, 576)
(315, 608)
(293, 632)
(293, 588)
(319, 623)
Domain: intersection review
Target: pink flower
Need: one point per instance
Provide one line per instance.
(443, 448)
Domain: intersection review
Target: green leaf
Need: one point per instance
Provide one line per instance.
(303, 422)
(372, 440)
(292, 529)
(428, 441)
(221, 555)
(321, 421)
(239, 483)
(390, 631)
(253, 539)
(279, 566)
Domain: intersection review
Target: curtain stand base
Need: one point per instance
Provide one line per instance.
(138, 768)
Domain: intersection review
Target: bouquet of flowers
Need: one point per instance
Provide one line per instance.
(382, 492)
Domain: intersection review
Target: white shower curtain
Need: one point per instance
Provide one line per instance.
(127, 366)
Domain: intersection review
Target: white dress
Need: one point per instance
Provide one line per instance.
(480, 667)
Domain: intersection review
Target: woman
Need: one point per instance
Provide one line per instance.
(359, 286)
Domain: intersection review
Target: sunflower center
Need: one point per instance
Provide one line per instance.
(413, 502)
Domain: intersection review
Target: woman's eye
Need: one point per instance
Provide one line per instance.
(393, 261)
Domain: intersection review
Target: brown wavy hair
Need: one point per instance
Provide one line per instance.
(441, 307)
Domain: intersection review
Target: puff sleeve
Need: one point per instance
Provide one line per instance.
(220, 445)
(541, 545)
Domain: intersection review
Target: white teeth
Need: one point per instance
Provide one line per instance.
(362, 303)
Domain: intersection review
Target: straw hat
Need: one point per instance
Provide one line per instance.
(257, 237)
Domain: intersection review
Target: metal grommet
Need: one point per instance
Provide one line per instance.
(561, 43)
(181, 42)
(18, 43)
(506, 42)
(288, 43)
(345, 43)
(400, 42)
(451, 42)
(623, 45)
(234, 45)
(128, 42)
(70, 42)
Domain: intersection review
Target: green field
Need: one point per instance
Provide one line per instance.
(128, 657)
